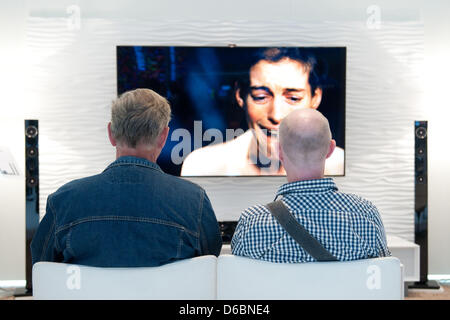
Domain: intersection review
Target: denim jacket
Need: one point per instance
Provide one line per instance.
(130, 215)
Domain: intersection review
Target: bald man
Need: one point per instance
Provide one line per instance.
(346, 225)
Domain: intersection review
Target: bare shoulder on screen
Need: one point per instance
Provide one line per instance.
(334, 165)
(229, 158)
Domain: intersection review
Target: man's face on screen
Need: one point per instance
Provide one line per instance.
(276, 89)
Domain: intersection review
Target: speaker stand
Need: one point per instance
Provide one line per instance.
(429, 284)
(23, 292)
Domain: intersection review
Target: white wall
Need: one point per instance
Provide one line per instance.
(12, 188)
(437, 106)
(19, 105)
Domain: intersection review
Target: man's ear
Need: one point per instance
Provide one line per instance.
(317, 98)
(331, 148)
(239, 100)
(163, 138)
(110, 135)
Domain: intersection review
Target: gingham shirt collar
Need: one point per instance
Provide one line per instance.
(307, 187)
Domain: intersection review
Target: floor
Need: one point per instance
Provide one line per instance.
(430, 294)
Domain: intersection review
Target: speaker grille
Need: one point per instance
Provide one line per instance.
(31, 190)
(421, 194)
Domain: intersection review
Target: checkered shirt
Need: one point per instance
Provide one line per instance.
(348, 226)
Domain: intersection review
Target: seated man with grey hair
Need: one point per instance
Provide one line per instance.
(132, 214)
(342, 226)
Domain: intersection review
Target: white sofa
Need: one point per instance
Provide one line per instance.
(240, 278)
(227, 277)
(182, 280)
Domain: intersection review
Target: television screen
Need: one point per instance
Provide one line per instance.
(227, 102)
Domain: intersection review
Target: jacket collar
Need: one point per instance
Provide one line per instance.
(134, 161)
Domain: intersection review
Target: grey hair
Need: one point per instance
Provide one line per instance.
(139, 116)
(305, 136)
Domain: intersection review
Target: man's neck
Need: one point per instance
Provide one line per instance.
(149, 154)
(301, 170)
(295, 179)
(305, 174)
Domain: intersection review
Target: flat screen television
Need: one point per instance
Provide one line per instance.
(227, 102)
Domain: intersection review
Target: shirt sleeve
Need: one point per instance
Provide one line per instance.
(237, 242)
(382, 249)
(210, 238)
(43, 243)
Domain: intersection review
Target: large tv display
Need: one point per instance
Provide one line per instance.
(227, 102)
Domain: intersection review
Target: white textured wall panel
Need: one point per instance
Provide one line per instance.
(73, 80)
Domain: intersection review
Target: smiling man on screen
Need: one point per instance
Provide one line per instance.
(279, 81)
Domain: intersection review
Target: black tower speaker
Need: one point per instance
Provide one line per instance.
(227, 230)
(421, 203)
(31, 195)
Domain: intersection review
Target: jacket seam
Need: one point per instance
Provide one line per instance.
(47, 239)
(55, 223)
(53, 209)
(130, 219)
(68, 245)
(180, 241)
(201, 210)
(56, 244)
(200, 221)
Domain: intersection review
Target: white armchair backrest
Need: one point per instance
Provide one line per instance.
(182, 280)
(227, 277)
(242, 278)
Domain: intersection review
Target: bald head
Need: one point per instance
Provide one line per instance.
(305, 138)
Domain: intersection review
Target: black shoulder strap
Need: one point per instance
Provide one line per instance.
(298, 232)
